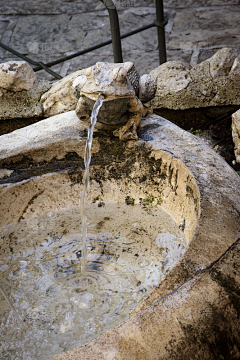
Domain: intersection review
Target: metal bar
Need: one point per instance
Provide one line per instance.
(139, 30)
(96, 46)
(161, 32)
(41, 65)
(160, 22)
(115, 31)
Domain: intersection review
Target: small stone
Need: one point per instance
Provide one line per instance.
(147, 87)
(5, 172)
(221, 62)
(16, 76)
(236, 135)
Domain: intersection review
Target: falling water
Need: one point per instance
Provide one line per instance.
(87, 160)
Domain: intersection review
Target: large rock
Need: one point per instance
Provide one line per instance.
(236, 134)
(23, 104)
(60, 98)
(214, 82)
(16, 76)
(20, 91)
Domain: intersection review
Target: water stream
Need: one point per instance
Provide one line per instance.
(87, 161)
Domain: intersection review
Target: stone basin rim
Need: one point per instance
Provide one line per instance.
(219, 193)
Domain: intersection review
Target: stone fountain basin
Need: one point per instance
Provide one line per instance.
(194, 310)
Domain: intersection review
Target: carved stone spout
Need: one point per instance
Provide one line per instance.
(124, 93)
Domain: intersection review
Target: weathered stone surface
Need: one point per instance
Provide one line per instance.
(172, 77)
(193, 312)
(23, 104)
(222, 62)
(63, 128)
(236, 134)
(214, 82)
(60, 97)
(16, 76)
(68, 7)
(78, 7)
(199, 32)
(193, 3)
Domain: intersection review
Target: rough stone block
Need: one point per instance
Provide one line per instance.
(60, 98)
(16, 76)
(23, 104)
(236, 134)
(214, 82)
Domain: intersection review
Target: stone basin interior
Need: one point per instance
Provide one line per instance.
(142, 209)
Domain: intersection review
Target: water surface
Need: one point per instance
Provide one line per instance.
(130, 250)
